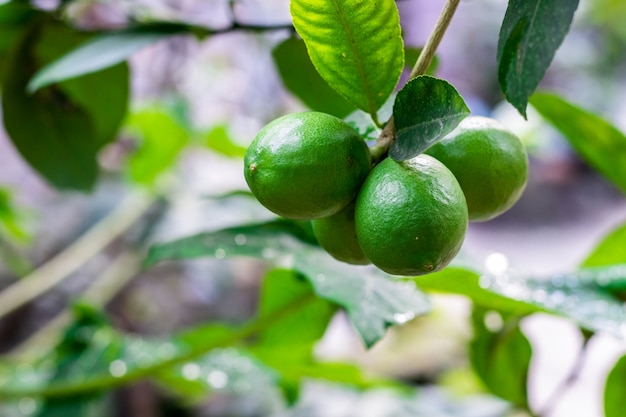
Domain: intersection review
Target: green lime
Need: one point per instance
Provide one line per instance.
(306, 165)
(489, 162)
(337, 235)
(411, 216)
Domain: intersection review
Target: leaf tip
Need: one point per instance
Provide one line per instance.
(34, 85)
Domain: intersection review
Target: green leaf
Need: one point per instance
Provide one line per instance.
(591, 297)
(230, 370)
(425, 110)
(302, 79)
(412, 54)
(610, 250)
(292, 369)
(161, 138)
(500, 355)
(372, 299)
(11, 217)
(614, 400)
(296, 334)
(363, 123)
(302, 328)
(598, 142)
(102, 52)
(14, 17)
(531, 33)
(584, 296)
(356, 46)
(268, 241)
(60, 129)
(91, 406)
(77, 356)
(466, 282)
(218, 139)
(94, 358)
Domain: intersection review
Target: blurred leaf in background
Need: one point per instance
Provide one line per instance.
(219, 140)
(60, 129)
(597, 141)
(160, 139)
(500, 354)
(302, 79)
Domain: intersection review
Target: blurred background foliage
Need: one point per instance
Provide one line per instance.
(92, 324)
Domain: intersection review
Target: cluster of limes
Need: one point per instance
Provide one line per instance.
(407, 218)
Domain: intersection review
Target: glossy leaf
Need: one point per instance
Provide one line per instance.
(591, 296)
(610, 250)
(531, 33)
(94, 357)
(161, 138)
(425, 110)
(292, 369)
(501, 356)
(614, 400)
(60, 129)
(372, 299)
(302, 79)
(257, 373)
(598, 142)
(303, 327)
(228, 371)
(269, 241)
(101, 52)
(466, 282)
(356, 46)
(584, 296)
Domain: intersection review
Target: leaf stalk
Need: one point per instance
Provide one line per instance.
(388, 135)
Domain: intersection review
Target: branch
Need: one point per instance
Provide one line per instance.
(104, 288)
(74, 256)
(387, 136)
(105, 381)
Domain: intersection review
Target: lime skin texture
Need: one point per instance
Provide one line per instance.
(306, 165)
(411, 216)
(337, 235)
(489, 162)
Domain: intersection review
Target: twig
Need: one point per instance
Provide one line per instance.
(103, 289)
(388, 134)
(13, 258)
(558, 392)
(69, 260)
(428, 53)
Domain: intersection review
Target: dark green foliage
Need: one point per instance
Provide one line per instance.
(531, 33)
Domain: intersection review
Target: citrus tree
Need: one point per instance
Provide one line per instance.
(373, 189)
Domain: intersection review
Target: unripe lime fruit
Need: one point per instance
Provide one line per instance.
(337, 235)
(306, 165)
(489, 162)
(410, 216)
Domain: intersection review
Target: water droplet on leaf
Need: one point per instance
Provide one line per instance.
(240, 239)
(191, 371)
(118, 368)
(217, 379)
